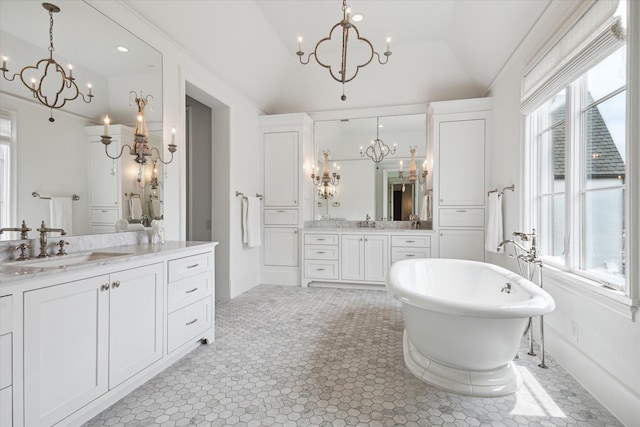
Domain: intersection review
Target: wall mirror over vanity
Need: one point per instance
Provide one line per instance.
(369, 188)
(66, 156)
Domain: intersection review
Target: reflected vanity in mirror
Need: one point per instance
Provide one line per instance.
(378, 189)
(66, 157)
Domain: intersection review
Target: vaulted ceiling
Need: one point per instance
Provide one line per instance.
(442, 49)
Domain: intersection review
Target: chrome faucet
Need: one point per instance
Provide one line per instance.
(415, 221)
(528, 255)
(43, 230)
(24, 230)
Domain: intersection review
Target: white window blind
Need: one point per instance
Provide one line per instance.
(594, 36)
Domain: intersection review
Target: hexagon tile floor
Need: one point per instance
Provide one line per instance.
(332, 357)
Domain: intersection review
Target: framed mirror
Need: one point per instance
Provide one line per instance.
(55, 158)
(367, 187)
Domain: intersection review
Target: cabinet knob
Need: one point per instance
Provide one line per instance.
(115, 284)
(104, 287)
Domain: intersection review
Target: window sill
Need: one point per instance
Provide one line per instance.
(611, 299)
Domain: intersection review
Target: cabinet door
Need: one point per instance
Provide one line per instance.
(135, 321)
(104, 178)
(461, 166)
(281, 169)
(376, 258)
(281, 246)
(352, 257)
(66, 346)
(462, 244)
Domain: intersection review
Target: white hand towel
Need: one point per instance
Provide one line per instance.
(251, 231)
(424, 208)
(135, 208)
(61, 213)
(494, 223)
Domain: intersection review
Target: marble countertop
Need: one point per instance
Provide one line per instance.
(365, 230)
(11, 272)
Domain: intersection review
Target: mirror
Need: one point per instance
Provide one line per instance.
(367, 188)
(57, 158)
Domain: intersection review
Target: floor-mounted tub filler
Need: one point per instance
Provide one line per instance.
(464, 321)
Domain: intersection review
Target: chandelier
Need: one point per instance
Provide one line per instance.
(340, 75)
(378, 150)
(413, 171)
(326, 183)
(140, 148)
(54, 87)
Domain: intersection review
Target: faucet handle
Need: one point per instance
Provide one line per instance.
(62, 244)
(23, 251)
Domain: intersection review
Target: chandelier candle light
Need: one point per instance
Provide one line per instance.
(340, 75)
(140, 148)
(326, 183)
(413, 171)
(54, 87)
(378, 150)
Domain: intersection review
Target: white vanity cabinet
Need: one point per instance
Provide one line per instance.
(459, 134)
(287, 140)
(364, 257)
(408, 246)
(6, 361)
(85, 337)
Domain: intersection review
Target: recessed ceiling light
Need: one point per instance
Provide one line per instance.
(357, 17)
(122, 49)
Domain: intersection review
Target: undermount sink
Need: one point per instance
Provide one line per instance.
(66, 260)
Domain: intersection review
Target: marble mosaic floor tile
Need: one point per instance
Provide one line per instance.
(288, 356)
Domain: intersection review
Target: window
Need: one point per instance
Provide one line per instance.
(6, 140)
(578, 158)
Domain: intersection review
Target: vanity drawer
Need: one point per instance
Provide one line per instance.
(321, 252)
(109, 216)
(6, 314)
(416, 241)
(398, 254)
(186, 291)
(462, 217)
(327, 270)
(6, 360)
(281, 216)
(321, 239)
(189, 266)
(188, 323)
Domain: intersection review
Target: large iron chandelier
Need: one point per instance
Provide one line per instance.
(340, 75)
(378, 150)
(326, 183)
(54, 87)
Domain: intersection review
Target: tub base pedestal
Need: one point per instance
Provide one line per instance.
(488, 383)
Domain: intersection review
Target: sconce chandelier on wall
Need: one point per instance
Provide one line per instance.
(54, 87)
(413, 171)
(341, 75)
(140, 148)
(326, 183)
(378, 150)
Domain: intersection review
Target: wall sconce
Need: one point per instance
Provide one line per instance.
(413, 171)
(54, 87)
(140, 148)
(326, 183)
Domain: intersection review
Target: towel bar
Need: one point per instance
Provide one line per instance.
(512, 187)
(74, 197)
(239, 194)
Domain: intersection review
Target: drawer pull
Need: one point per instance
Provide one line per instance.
(409, 241)
(321, 252)
(461, 210)
(280, 211)
(190, 291)
(191, 323)
(410, 255)
(320, 269)
(319, 239)
(193, 266)
(104, 211)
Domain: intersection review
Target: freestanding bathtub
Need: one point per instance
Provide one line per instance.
(464, 321)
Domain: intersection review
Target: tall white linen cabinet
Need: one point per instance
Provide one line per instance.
(287, 141)
(459, 132)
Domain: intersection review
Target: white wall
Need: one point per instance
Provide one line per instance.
(604, 355)
(245, 163)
